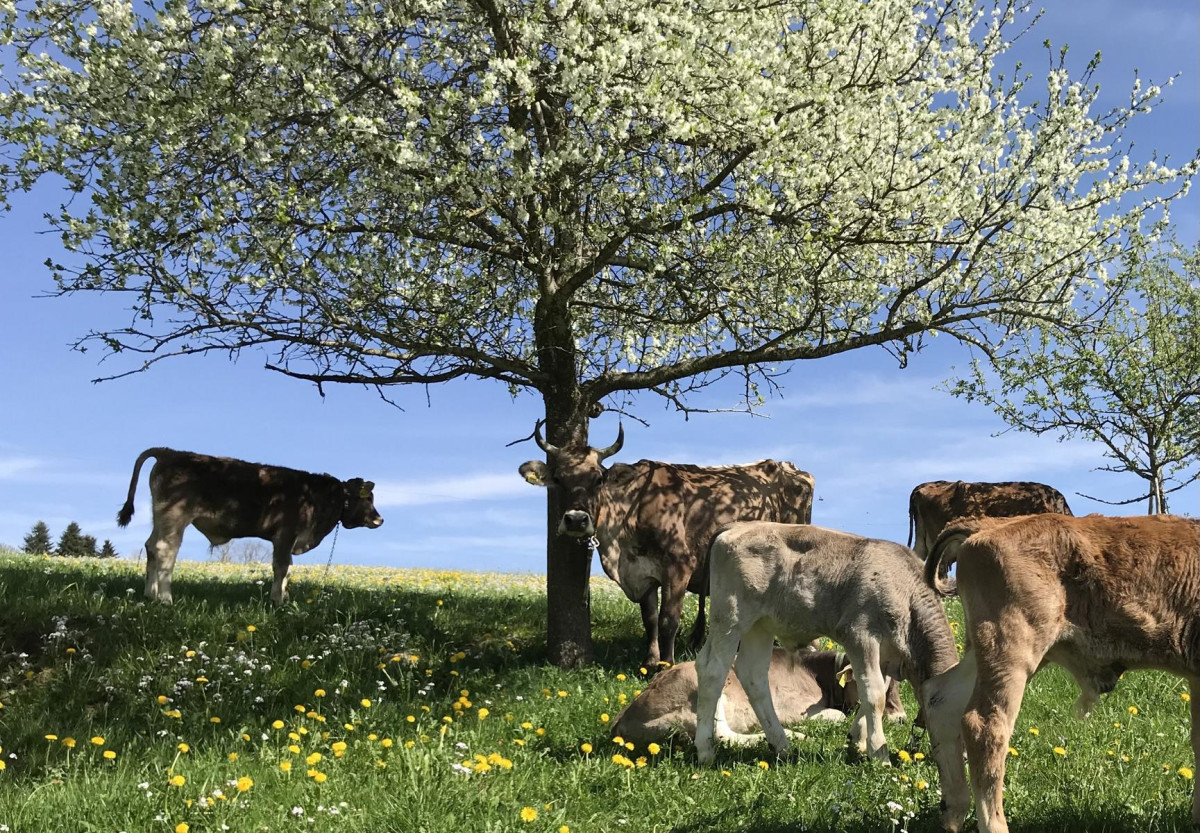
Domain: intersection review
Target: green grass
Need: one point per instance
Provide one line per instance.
(82, 657)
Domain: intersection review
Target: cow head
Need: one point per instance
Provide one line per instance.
(578, 473)
(358, 504)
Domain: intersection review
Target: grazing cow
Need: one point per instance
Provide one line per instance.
(652, 522)
(1097, 595)
(932, 505)
(792, 583)
(805, 685)
(226, 498)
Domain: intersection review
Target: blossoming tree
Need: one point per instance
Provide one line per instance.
(577, 198)
(1129, 380)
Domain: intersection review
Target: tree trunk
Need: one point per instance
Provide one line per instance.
(568, 560)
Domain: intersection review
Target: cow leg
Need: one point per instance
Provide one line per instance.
(649, 606)
(867, 732)
(668, 619)
(893, 708)
(712, 667)
(992, 712)
(162, 547)
(697, 638)
(752, 667)
(281, 561)
(943, 700)
(1194, 688)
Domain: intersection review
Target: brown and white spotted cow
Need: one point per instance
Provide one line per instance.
(653, 522)
(933, 505)
(1097, 595)
(226, 499)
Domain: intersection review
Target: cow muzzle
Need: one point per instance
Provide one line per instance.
(375, 522)
(577, 524)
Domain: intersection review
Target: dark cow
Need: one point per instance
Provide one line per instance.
(1096, 595)
(226, 498)
(653, 522)
(932, 505)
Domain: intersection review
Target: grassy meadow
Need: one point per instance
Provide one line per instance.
(407, 700)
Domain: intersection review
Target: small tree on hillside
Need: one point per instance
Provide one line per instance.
(1131, 383)
(108, 550)
(72, 543)
(580, 200)
(38, 542)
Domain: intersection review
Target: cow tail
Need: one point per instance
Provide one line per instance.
(126, 513)
(946, 549)
(912, 518)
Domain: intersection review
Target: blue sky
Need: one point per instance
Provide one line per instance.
(447, 485)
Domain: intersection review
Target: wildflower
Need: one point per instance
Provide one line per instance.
(214, 719)
(294, 749)
(586, 748)
(410, 719)
(251, 628)
(1185, 697)
(1132, 710)
(278, 724)
(1058, 750)
(726, 773)
(921, 784)
(285, 766)
(339, 749)
(653, 748)
(183, 747)
(176, 780)
(365, 703)
(1033, 730)
(1186, 772)
(562, 693)
(314, 758)
(904, 757)
(386, 743)
(244, 783)
(564, 829)
(641, 761)
(528, 814)
(604, 718)
(69, 743)
(763, 765)
(620, 678)
(320, 692)
(97, 741)
(483, 713)
(540, 732)
(182, 827)
(1012, 750)
(109, 755)
(320, 777)
(233, 756)
(51, 737)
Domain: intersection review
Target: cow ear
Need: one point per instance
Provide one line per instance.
(846, 675)
(535, 472)
(367, 487)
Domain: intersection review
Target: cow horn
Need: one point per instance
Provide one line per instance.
(615, 447)
(542, 444)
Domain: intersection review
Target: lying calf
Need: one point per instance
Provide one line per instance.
(794, 582)
(805, 685)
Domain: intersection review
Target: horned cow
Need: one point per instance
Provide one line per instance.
(653, 522)
(226, 499)
(1097, 595)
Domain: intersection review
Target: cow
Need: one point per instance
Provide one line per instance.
(652, 522)
(794, 582)
(805, 685)
(1097, 595)
(932, 505)
(226, 498)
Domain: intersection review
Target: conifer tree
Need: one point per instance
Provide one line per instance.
(72, 542)
(108, 550)
(38, 542)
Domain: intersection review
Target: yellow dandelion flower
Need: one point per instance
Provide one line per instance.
(1186, 772)
(109, 755)
(921, 784)
(386, 743)
(244, 783)
(232, 756)
(182, 827)
(251, 628)
(320, 692)
(409, 744)
(726, 773)
(177, 780)
(97, 741)
(1185, 697)
(1012, 750)
(314, 758)
(184, 748)
(641, 761)
(1033, 730)
(904, 756)
(604, 718)
(1058, 750)
(51, 737)
(483, 713)
(763, 765)
(214, 719)
(564, 829)
(286, 766)
(620, 678)
(1132, 710)
(277, 724)
(562, 693)
(540, 731)
(528, 814)
(365, 703)
(69, 743)
(653, 748)
(320, 777)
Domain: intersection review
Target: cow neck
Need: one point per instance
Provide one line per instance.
(327, 513)
(616, 505)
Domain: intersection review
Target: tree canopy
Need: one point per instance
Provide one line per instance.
(574, 198)
(1128, 379)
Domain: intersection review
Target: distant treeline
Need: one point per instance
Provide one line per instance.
(72, 543)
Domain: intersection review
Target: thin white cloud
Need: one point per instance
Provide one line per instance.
(460, 489)
(859, 389)
(20, 468)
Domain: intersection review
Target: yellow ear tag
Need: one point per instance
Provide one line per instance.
(841, 677)
(532, 479)
(364, 492)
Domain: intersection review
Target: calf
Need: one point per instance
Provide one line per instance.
(1096, 595)
(805, 685)
(796, 582)
(226, 499)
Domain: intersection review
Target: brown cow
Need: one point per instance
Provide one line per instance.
(226, 498)
(805, 685)
(653, 522)
(1096, 595)
(932, 505)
